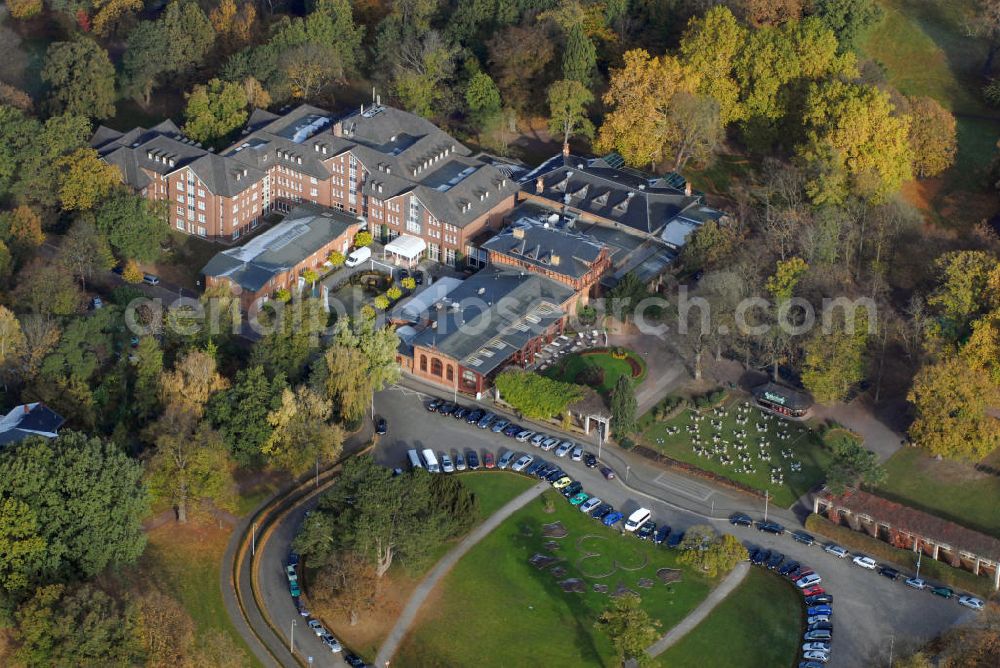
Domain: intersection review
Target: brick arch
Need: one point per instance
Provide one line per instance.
(423, 363)
(436, 367)
(450, 371)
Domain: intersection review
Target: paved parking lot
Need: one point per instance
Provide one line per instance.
(870, 611)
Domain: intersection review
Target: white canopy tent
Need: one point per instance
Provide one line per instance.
(405, 249)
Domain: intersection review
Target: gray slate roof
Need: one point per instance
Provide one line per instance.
(626, 196)
(304, 231)
(557, 250)
(492, 315)
(26, 420)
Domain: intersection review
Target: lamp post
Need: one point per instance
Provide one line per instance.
(767, 495)
(253, 540)
(291, 639)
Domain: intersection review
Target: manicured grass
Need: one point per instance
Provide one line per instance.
(494, 489)
(575, 367)
(804, 444)
(184, 562)
(951, 490)
(496, 609)
(758, 625)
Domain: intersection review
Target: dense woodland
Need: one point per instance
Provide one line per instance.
(164, 421)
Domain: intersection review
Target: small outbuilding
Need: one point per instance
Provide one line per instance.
(783, 400)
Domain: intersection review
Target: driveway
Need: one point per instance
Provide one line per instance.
(871, 610)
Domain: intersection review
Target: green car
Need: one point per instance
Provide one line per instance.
(578, 499)
(943, 592)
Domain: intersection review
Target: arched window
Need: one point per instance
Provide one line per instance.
(436, 366)
(423, 363)
(451, 373)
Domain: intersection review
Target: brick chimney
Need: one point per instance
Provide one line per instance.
(518, 232)
(539, 185)
(554, 260)
(687, 187)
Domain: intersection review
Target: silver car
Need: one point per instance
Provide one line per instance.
(504, 460)
(549, 443)
(446, 464)
(538, 439)
(577, 454)
(563, 448)
(522, 462)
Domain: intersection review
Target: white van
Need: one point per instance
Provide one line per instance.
(358, 256)
(415, 462)
(637, 519)
(431, 461)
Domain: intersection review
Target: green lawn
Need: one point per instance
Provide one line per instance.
(578, 368)
(947, 489)
(494, 489)
(757, 626)
(496, 609)
(674, 439)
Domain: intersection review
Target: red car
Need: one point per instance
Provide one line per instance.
(488, 460)
(801, 574)
(813, 591)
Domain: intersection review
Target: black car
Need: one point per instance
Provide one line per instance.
(675, 539)
(661, 534)
(802, 537)
(762, 557)
(819, 599)
(775, 560)
(771, 527)
(380, 426)
(572, 489)
(600, 511)
(788, 567)
(555, 475)
(460, 413)
(889, 572)
(354, 661)
(543, 470)
(740, 519)
(403, 273)
(475, 416)
(447, 408)
(534, 466)
(820, 626)
(433, 404)
(472, 459)
(590, 461)
(418, 277)
(646, 530)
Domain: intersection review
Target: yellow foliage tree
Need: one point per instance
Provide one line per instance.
(708, 49)
(84, 179)
(24, 9)
(110, 12)
(132, 273)
(933, 136)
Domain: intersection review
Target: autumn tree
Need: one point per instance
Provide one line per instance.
(708, 50)
(772, 12)
(963, 291)
(21, 230)
(855, 142)
(518, 57)
(111, 14)
(630, 628)
(20, 545)
(835, 360)
(933, 136)
(214, 110)
(309, 68)
(163, 628)
(80, 79)
(192, 382)
(568, 100)
(24, 9)
(711, 553)
(349, 584)
(241, 413)
(293, 338)
(302, 435)
(46, 289)
(952, 401)
(640, 95)
(425, 64)
(234, 26)
(12, 344)
(84, 179)
(84, 252)
(699, 129)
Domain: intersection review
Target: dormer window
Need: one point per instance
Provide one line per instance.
(561, 186)
(582, 192)
(602, 199)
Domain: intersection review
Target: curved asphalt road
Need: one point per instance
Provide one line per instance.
(871, 610)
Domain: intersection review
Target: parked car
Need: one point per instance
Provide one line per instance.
(488, 461)
(638, 517)
(446, 464)
(810, 664)
(293, 588)
(675, 539)
(447, 408)
(460, 413)
(290, 573)
(473, 460)
(816, 647)
(612, 518)
(646, 531)
(432, 405)
(357, 256)
(512, 430)
(740, 519)
(532, 467)
(504, 460)
(577, 454)
(836, 550)
(381, 426)
(499, 425)
(572, 489)
(293, 559)
(889, 572)
(538, 439)
(475, 415)
(485, 421)
(459, 462)
(96, 303)
(578, 498)
(332, 643)
(823, 609)
(607, 473)
(823, 634)
(317, 627)
(808, 581)
(549, 443)
(602, 510)
(300, 607)
(562, 482)
(802, 537)
(813, 591)
(524, 435)
(789, 567)
(354, 661)
(971, 602)
(590, 461)
(758, 556)
(661, 534)
(522, 462)
(864, 562)
(943, 592)
(822, 657)
(543, 470)
(820, 626)
(555, 473)
(818, 600)
(916, 583)
(770, 527)
(564, 448)
(775, 560)
(150, 279)
(589, 505)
